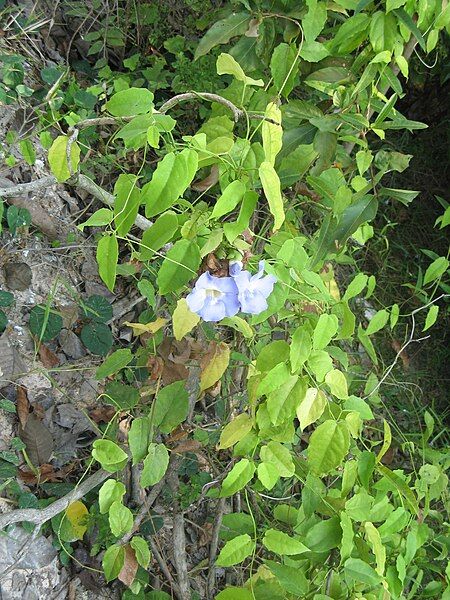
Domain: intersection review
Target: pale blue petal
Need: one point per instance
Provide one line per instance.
(205, 281)
(232, 304)
(235, 267)
(252, 302)
(265, 285)
(213, 310)
(196, 299)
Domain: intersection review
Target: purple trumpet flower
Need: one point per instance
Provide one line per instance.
(214, 298)
(253, 290)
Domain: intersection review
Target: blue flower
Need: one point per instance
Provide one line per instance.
(214, 298)
(253, 291)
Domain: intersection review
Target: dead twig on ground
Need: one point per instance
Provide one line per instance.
(211, 579)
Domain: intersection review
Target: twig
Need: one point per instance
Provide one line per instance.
(211, 581)
(409, 341)
(41, 516)
(179, 538)
(147, 504)
(164, 568)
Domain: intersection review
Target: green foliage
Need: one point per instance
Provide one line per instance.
(296, 179)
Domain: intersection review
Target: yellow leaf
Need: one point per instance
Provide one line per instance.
(239, 325)
(272, 134)
(140, 328)
(235, 431)
(183, 320)
(214, 364)
(76, 515)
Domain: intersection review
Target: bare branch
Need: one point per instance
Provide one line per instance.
(42, 515)
(211, 582)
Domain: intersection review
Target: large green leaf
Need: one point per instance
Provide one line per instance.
(170, 408)
(230, 198)
(328, 446)
(235, 551)
(222, 31)
(237, 478)
(169, 181)
(282, 543)
(284, 67)
(155, 465)
(159, 234)
(133, 101)
(107, 257)
(127, 202)
(179, 266)
(57, 158)
(139, 438)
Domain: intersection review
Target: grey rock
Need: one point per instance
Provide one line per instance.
(18, 276)
(71, 344)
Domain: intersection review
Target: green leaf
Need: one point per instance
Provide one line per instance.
(358, 506)
(109, 455)
(268, 474)
(161, 232)
(326, 328)
(97, 308)
(356, 214)
(230, 198)
(45, 323)
(107, 257)
(320, 363)
(300, 348)
(383, 31)
(283, 402)
(141, 551)
(222, 31)
(113, 561)
(406, 19)
(271, 186)
(114, 363)
(169, 181)
(356, 569)
(337, 383)
(102, 216)
(235, 593)
(227, 65)
(374, 539)
(272, 133)
(377, 322)
(402, 488)
(235, 551)
(179, 266)
(234, 431)
(278, 455)
(147, 290)
(436, 270)
(133, 101)
(348, 534)
(240, 325)
(237, 478)
(97, 338)
(28, 152)
(111, 491)
(324, 535)
(120, 519)
(57, 158)
(155, 465)
(311, 407)
(135, 133)
(126, 205)
(328, 446)
(315, 19)
(356, 286)
(139, 438)
(282, 543)
(291, 579)
(170, 407)
(432, 315)
(284, 68)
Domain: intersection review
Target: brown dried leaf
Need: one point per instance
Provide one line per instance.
(130, 567)
(23, 405)
(45, 473)
(209, 181)
(102, 414)
(396, 345)
(48, 358)
(37, 439)
(187, 446)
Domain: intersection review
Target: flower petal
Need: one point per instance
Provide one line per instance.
(205, 281)
(226, 285)
(252, 302)
(235, 267)
(232, 305)
(196, 299)
(213, 310)
(264, 285)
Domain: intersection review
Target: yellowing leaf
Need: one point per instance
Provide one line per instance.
(214, 364)
(57, 158)
(272, 135)
(140, 328)
(76, 514)
(226, 64)
(183, 320)
(235, 431)
(311, 407)
(240, 325)
(272, 189)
